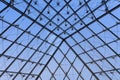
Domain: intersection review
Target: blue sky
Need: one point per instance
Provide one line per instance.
(59, 40)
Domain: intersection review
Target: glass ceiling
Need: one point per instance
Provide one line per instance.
(59, 39)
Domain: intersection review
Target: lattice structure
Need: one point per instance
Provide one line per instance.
(59, 39)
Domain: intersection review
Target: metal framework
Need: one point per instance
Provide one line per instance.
(59, 39)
